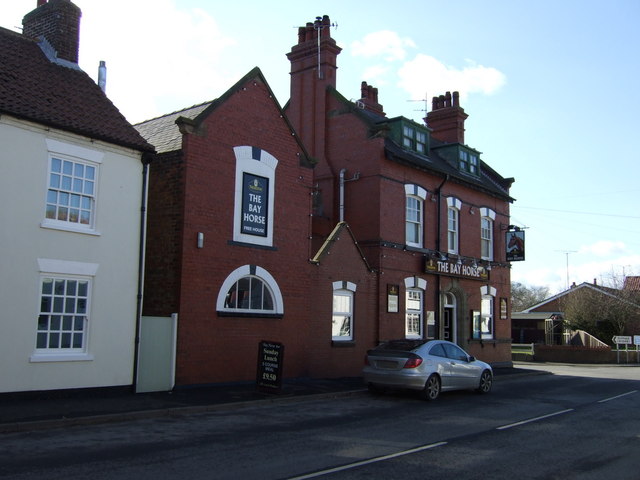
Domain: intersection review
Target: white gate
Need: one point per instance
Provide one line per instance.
(157, 354)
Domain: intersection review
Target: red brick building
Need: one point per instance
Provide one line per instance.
(428, 213)
(325, 227)
(229, 243)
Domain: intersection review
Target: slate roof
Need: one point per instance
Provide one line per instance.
(34, 88)
(163, 132)
(489, 180)
(608, 291)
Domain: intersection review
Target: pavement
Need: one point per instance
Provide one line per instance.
(45, 410)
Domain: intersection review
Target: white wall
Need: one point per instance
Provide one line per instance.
(112, 250)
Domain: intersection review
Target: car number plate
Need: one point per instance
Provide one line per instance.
(387, 364)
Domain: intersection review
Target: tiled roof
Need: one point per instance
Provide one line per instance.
(36, 89)
(163, 132)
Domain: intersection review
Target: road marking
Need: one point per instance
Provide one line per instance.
(438, 444)
(369, 461)
(617, 396)
(523, 422)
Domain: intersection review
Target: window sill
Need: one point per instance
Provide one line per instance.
(60, 357)
(343, 343)
(68, 228)
(249, 314)
(251, 245)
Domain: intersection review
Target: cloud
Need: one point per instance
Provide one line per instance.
(377, 74)
(168, 61)
(384, 43)
(608, 272)
(427, 74)
(541, 277)
(604, 248)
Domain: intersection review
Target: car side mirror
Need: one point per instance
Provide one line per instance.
(471, 359)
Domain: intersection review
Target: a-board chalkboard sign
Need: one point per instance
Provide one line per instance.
(270, 363)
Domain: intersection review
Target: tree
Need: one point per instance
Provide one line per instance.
(523, 296)
(601, 311)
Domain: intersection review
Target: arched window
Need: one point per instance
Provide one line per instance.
(250, 291)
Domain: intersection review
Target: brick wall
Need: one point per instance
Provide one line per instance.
(165, 207)
(59, 22)
(214, 348)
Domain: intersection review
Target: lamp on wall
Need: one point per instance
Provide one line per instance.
(200, 239)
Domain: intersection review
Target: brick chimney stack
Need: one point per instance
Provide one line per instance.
(369, 97)
(58, 21)
(313, 71)
(446, 118)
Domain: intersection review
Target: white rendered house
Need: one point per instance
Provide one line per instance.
(72, 190)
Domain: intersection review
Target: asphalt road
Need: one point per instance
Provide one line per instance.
(575, 423)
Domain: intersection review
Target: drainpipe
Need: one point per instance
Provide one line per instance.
(356, 176)
(342, 172)
(438, 244)
(146, 160)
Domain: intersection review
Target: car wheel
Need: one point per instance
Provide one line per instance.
(486, 381)
(432, 387)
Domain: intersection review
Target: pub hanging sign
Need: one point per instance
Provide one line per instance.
(515, 245)
(255, 204)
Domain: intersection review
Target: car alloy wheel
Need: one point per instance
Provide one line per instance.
(486, 380)
(432, 387)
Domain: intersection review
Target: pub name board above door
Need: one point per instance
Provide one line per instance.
(455, 269)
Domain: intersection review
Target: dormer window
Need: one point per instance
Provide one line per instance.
(468, 162)
(421, 142)
(408, 134)
(414, 139)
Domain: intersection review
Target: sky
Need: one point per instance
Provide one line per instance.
(550, 87)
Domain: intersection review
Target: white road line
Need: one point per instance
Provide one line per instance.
(369, 461)
(439, 444)
(617, 396)
(504, 427)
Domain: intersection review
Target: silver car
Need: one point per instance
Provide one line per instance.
(431, 367)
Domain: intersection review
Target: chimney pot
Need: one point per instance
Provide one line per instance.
(456, 99)
(369, 98)
(102, 76)
(446, 118)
